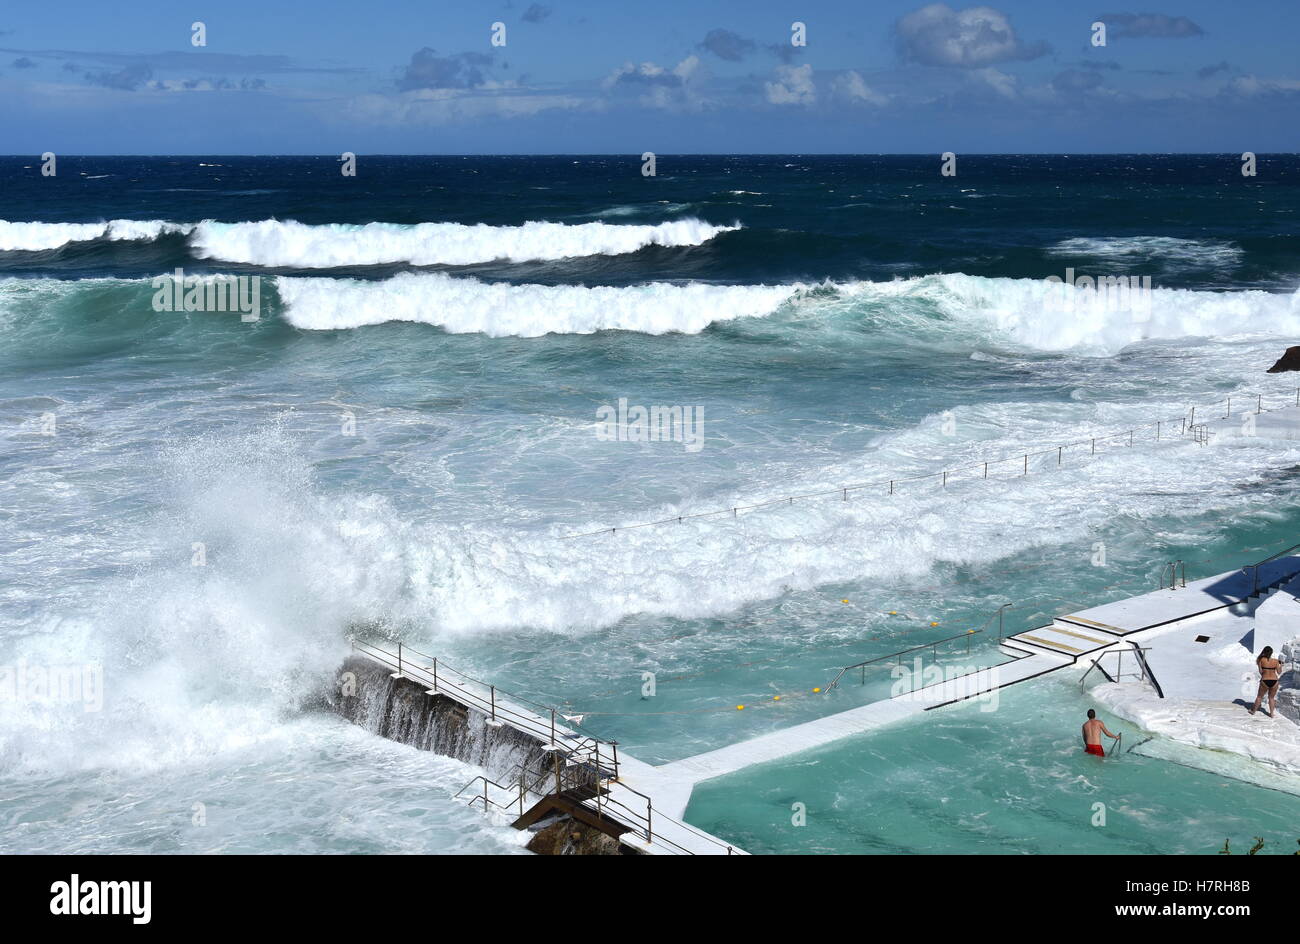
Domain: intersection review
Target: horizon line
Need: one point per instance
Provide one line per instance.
(637, 155)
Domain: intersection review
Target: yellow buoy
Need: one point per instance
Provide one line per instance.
(776, 698)
(893, 612)
(740, 707)
(934, 624)
(816, 690)
(844, 601)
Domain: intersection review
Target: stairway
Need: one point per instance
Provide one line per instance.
(1063, 638)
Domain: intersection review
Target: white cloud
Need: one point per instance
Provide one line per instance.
(1251, 86)
(938, 35)
(1000, 82)
(794, 86)
(660, 87)
(851, 86)
(448, 106)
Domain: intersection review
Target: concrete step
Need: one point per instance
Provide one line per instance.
(1062, 638)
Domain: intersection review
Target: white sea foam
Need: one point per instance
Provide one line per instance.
(33, 237)
(288, 243)
(461, 305)
(1016, 311)
(1022, 311)
(1163, 250)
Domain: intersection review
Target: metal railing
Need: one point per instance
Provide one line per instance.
(472, 693)
(574, 761)
(881, 660)
(1268, 560)
(554, 777)
(1158, 431)
(515, 793)
(932, 646)
(1142, 670)
(1173, 569)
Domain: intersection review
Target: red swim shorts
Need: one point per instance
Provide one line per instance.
(1094, 749)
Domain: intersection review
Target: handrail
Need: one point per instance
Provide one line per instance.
(1255, 567)
(570, 751)
(435, 675)
(898, 655)
(1146, 667)
(1174, 568)
(944, 476)
(998, 613)
(1096, 664)
(604, 799)
(487, 800)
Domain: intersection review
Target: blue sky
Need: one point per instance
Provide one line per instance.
(414, 76)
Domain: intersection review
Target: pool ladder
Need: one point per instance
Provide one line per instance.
(1177, 572)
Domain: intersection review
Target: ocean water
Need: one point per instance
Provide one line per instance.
(204, 508)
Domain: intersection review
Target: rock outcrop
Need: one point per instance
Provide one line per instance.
(1288, 361)
(566, 836)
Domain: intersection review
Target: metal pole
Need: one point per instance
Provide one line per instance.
(986, 470)
(891, 486)
(1228, 415)
(435, 674)
(1157, 430)
(1259, 403)
(945, 479)
(1192, 421)
(493, 689)
(1094, 447)
(1058, 454)
(552, 725)
(399, 658)
(1026, 465)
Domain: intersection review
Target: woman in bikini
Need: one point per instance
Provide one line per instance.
(1270, 670)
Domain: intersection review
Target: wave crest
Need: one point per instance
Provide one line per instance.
(276, 243)
(464, 305)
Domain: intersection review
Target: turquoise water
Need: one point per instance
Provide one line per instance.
(1009, 782)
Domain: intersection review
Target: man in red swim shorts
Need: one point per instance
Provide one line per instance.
(1092, 732)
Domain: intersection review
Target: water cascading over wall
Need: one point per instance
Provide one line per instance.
(400, 710)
